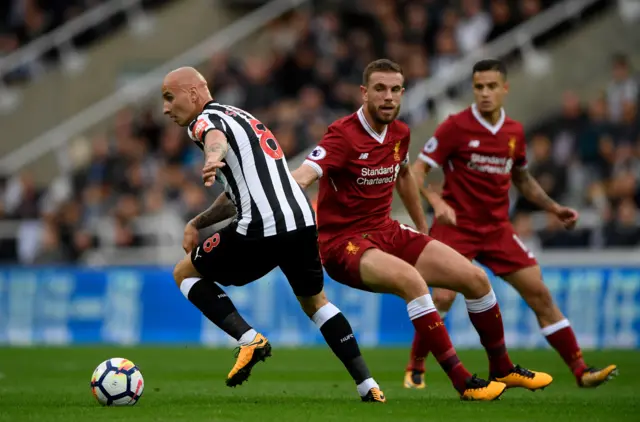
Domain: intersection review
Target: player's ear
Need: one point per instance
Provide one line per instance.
(193, 94)
(506, 87)
(363, 91)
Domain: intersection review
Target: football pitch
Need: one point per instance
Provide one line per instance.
(187, 384)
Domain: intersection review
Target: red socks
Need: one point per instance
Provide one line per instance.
(432, 335)
(419, 353)
(561, 337)
(487, 320)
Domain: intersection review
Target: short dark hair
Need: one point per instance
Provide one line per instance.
(620, 59)
(487, 65)
(380, 65)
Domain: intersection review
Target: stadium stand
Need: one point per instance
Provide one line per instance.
(308, 74)
(587, 155)
(23, 21)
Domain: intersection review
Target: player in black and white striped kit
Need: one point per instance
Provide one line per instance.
(274, 227)
(270, 201)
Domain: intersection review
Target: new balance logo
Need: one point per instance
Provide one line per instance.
(474, 144)
(364, 156)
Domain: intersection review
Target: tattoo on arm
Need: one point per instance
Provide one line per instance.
(217, 147)
(531, 190)
(221, 209)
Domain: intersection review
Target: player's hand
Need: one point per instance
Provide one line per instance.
(444, 214)
(568, 216)
(423, 229)
(190, 239)
(209, 172)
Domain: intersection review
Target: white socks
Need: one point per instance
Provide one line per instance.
(486, 302)
(366, 385)
(554, 328)
(420, 306)
(187, 284)
(324, 314)
(247, 337)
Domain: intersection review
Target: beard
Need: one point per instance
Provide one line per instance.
(380, 118)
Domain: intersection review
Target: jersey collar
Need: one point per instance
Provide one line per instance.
(365, 124)
(491, 128)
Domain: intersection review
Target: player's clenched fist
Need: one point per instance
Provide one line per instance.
(568, 216)
(209, 172)
(190, 239)
(444, 214)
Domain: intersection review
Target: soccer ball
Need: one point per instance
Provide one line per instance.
(117, 382)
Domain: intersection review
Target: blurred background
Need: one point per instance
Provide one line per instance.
(96, 185)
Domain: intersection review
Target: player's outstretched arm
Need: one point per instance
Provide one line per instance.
(530, 189)
(407, 188)
(305, 175)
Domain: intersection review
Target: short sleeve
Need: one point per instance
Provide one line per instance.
(204, 123)
(405, 162)
(441, 145)
(330, 154)
(520, 155)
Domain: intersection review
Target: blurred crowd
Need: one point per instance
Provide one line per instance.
(308, 74)
(311, 68)
(23, 21)
(588, 156)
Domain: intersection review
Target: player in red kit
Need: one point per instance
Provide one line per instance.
(359, 161)
(482, 151)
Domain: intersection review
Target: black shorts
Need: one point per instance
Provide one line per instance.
(232, 259)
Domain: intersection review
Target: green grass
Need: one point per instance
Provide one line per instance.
(187, 384)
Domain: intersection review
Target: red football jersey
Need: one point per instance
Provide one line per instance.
(358, 169)
(477, 159)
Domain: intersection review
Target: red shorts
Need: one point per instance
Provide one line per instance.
(341, 256)
(499, 249)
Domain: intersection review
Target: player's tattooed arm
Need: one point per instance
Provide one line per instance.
(406, 186)
(532, 191)
(216, 146)
(221, 209)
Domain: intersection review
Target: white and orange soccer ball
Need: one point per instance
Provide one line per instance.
(117, 382)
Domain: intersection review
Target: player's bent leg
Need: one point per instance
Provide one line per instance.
(443, 267)
(385, 273)
(214, 303)
(443, 299)
(555, 327)
(303, 269)
(451, 270)
(338, 334)
(414, 373)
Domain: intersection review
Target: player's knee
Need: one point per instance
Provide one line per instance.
(184, 269)
(443, 299)
(178, 274)
(478, 284)
(410, 284)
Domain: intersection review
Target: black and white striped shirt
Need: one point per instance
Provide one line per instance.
(257, 179)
